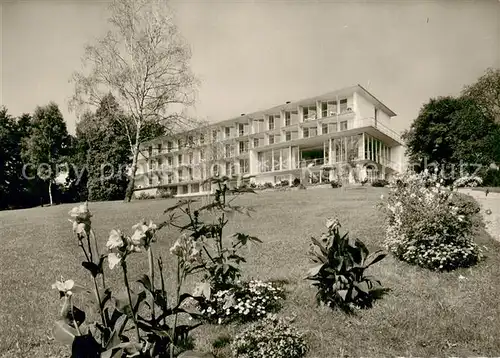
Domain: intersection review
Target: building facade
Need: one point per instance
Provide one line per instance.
(342, 135)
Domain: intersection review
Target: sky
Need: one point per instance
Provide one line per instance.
(251, 55)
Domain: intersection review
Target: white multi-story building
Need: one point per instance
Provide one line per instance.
(342, 134)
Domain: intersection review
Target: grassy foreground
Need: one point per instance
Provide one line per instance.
(425, 314)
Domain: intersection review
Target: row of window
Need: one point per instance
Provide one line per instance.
(306, 133)
(190, 174)
(278, 159)
(243, 146)
(328, 108)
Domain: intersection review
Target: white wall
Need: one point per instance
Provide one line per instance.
(384, 119)
(364, 108)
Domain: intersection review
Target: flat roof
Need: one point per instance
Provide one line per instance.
(293, 106)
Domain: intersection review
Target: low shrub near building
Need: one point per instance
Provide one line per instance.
(335, 184)
(164, 193)
(296, 182)
(144, 196)
(272, 337)
(429, 225)
(380, 183)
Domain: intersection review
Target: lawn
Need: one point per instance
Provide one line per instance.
(425, 314)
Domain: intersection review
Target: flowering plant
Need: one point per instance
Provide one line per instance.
(145, 312)
(271, 337)
(428, 224)
(339, 274)
(217, 256)
(245, 301)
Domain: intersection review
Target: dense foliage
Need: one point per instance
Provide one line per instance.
(272, 337)
(103, 152)
(380, 183)
(428, 224)
(453, 131)
(47, 145)
(335, 184)
(339, 274)
(486, 93)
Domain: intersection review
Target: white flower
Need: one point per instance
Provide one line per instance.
(115, 240)
(81, 213)
(113, 260)
(177, 249)
(332, 223)
(67, 287)
(78, 228)
(142, 233)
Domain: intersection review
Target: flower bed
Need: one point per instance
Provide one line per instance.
(246, 301)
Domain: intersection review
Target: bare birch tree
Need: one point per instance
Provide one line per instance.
(144, 63)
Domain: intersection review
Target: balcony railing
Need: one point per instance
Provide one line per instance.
(370, 121)
(305, 163)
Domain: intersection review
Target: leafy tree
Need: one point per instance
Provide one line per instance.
(47, 144)
(8, 157)
(486, 93)
(102, 151)
(143, 62)
(453, 131)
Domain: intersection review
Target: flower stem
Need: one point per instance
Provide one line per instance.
(98, 296)
(73, 315)
(178, 291)
(125, 279)
(152, 277)
(160, 266)
(98, 255)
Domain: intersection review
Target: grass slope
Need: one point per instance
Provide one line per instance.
(426, 314)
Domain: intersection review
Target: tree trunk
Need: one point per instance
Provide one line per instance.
(131, 183)
(50, 192)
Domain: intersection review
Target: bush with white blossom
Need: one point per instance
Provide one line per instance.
(272, 337)
(244, 302)
(429, 225)
(468, 181)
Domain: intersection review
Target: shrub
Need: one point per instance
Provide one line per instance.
(268, 185)
(144, 196)
(339, 274)
(243, 302)
(285, 183)
(164, 193)
(335, 184)
(271, 337)
(469, 181)
(380, 183)
(296, 182)
(429, 225)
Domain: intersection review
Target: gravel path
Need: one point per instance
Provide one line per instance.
(492, 202)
